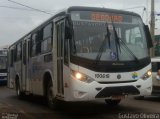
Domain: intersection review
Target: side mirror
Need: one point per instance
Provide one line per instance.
(68, 34)
(148, 36)
(68, 27)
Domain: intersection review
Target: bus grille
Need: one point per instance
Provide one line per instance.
(119, 90)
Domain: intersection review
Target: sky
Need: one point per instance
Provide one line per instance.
(17, 20)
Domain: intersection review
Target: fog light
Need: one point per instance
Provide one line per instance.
(78, 94)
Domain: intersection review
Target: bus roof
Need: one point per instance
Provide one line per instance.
(76, 8)
(155, 59)
(100, 9)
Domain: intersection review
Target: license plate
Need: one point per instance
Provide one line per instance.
(118, 97)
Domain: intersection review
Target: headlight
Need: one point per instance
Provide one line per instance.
(147, 75)
(81, 77)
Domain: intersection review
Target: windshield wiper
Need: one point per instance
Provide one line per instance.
(101, 49)
(118, 45)
(129, 50)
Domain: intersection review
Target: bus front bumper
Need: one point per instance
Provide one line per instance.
(3, 81)
(81, 91)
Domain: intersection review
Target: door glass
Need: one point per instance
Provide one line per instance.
(60, 39)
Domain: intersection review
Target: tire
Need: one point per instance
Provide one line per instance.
(51, 100)
(111, 102)
(19, 93)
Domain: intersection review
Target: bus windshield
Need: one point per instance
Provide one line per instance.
(3, 62)
(95, 30)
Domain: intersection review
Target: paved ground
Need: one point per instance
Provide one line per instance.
(35, 108)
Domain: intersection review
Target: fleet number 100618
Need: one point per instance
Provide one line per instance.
(101, 75)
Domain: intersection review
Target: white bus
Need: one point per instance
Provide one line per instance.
(3, 66)
(155, 81)
(83, 54)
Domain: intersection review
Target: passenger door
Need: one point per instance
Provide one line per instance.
(58, 59)
(11, 70)
(24, 67)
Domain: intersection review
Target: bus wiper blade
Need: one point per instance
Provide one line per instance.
(98, 57)
(129, 50)
(101, 49)
(118, 45)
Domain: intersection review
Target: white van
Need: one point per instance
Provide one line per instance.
(155, 82)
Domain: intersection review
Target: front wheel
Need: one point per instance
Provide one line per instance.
(112, 102)
(51, 100)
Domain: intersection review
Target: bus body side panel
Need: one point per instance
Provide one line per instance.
(39, 66)
(11, 77)
(18, 72)
(36, 74)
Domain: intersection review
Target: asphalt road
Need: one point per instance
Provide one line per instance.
(35, 108)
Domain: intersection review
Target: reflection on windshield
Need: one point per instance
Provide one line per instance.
(3, 62)
(89, 36)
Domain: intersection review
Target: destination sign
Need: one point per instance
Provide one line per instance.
(101, 16)
(106, 17)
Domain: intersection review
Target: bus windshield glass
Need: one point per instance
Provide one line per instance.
(3, 62)
(94, 31)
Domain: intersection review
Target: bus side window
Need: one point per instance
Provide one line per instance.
(46, 44)
(24, 53)
(66, 52)
(33, 44)
(39, 38)
(29, 49)
(11, 58)
(15, 54)
(18, 55)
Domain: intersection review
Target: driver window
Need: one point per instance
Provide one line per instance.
(133, 36)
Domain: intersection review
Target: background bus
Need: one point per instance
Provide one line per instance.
(155, 61)
(156, 81)
(3, 66)
(83, 54)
